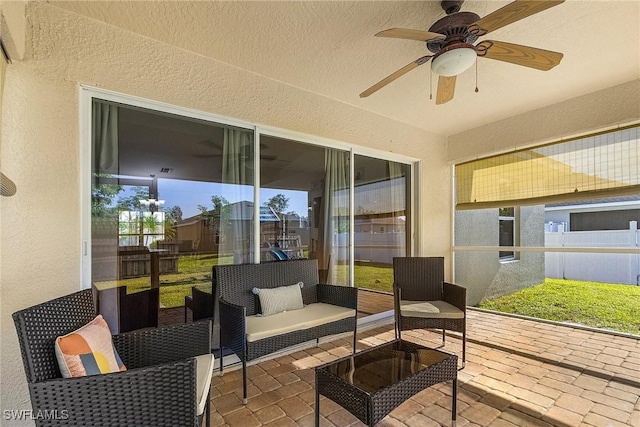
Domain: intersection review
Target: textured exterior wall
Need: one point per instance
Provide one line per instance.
(481, 272)
(41, 238)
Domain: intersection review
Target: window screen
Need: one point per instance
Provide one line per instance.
(600, 165)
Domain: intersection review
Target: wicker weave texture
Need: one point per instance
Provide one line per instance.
(419, 278)
(256, 349)
(38, 327)
(147, 347)
(157, 396)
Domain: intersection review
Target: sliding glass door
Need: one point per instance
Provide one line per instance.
(173, 194)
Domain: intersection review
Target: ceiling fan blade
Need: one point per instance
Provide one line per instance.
(404, 33)
(401, 72)
(526, 56)
(446, 89)
(511, 13)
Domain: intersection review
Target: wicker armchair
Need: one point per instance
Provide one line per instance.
(161, 387)
(422, 299)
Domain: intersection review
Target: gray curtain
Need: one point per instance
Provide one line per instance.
(105, 138)
(237, 169)
(333, 239)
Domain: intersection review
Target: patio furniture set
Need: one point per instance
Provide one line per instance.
(161, 375)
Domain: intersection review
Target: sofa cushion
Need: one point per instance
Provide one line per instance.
(312, 315)
(430, 309)
(282, 298)
(88, 351)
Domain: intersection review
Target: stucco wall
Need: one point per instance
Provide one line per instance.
(40, 230)
(481, 272)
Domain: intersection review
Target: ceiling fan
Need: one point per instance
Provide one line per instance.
(451, 41)
(243, 154)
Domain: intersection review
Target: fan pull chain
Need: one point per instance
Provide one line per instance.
(477, 90)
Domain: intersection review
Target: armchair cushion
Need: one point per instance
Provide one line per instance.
(277, 300)
(204, 371)
(88, 350)
(430, 309)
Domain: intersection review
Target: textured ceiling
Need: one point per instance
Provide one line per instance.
(329, 48)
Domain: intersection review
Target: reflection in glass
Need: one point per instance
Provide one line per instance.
(304, 210)
(171, 196)
(382, 220)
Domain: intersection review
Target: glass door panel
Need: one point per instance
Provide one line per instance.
(304, 205)
(171, 196)
(382, 225)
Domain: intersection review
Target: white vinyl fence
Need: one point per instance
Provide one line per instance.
(595, 267)
(374, 247)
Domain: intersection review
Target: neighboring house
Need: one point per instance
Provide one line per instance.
(598, 214)
(200, 234)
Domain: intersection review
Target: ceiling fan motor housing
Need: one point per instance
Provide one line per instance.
(456, 29)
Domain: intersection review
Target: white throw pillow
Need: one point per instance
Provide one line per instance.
(277, 300)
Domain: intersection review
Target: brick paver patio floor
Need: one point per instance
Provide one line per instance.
(518, 373)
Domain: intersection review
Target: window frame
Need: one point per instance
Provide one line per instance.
(514, 218)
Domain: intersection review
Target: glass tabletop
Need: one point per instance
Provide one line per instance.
(385, 365)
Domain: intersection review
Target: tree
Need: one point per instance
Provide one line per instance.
(216, 218)
(102, 196)
(279, 203)
(150, 226)
(132, 203)
(173, 214)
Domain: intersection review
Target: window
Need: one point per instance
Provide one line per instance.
(508, 232)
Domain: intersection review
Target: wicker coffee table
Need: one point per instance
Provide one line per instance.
(372, 383)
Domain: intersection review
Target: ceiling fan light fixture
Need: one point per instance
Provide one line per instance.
(453, 62)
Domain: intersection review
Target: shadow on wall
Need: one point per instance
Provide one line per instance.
(7, 187)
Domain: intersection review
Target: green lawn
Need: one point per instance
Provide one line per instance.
(599, 305)
(194, 271)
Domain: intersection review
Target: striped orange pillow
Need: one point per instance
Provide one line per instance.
(88, 351)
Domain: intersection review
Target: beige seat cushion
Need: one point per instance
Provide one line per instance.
(430, 309)
(259, 327)
(204, 371)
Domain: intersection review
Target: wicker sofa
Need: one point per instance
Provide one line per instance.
(328, 309)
